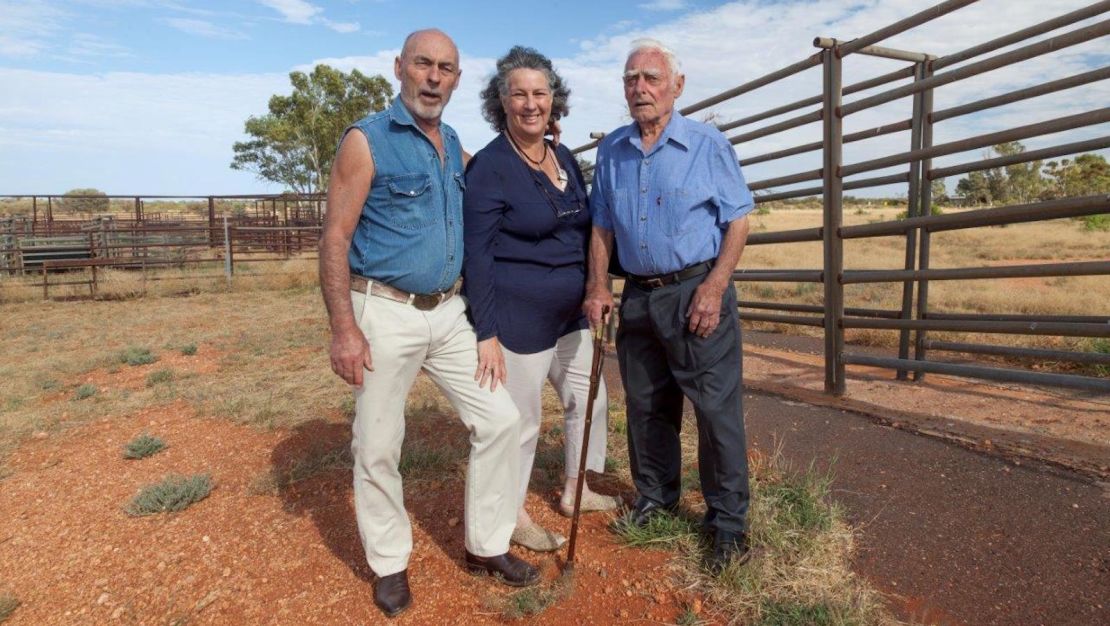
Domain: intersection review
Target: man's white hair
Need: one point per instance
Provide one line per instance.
(648, 44)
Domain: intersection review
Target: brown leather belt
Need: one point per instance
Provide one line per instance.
(422, 301)
(662, 280)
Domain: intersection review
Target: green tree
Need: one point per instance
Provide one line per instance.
(295, 142)
(1087, 175)
(1024, 182)
(939, 191)
(85, 202)
(976, 188)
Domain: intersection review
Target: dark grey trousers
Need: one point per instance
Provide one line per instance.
(660, 361)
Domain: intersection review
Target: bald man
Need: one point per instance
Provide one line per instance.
(390, 257)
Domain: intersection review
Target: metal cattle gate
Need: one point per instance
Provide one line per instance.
(914, 320)
(219, 232)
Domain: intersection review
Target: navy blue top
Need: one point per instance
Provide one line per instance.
(524, 266)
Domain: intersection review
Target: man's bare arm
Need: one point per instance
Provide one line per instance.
(351, 175)
(705, 306)
(598, 295)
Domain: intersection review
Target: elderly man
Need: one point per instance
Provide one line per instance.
(669, 192)
(390, 257)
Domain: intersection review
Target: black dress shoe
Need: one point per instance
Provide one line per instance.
(391, 593)
(504, 567)
(645, 509)
(728, 548)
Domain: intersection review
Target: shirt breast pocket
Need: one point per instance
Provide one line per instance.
(685, 209)
(410, 201)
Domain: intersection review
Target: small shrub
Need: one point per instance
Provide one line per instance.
(143, 446)
(1096, 222)
(189, 349)
(8, 605)
(174, 493)
(49, 385)
(86, 390)
(159, 377)
(135, 355)
(762, 209)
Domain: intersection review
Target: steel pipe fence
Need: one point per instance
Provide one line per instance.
(914, 319)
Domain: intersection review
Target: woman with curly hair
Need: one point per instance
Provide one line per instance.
(527, 224)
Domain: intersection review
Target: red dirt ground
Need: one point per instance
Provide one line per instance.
(73, 556)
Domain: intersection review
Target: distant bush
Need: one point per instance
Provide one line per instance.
(143, 446)
(1096, 222)
(935, 210)
(174, 493)
(159, 377)
(189, 349)
(135, 355)
(84, 391)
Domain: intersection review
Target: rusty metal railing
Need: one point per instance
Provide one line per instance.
(915, 319)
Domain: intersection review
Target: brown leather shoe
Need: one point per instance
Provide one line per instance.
(504, 567)
(391, 593)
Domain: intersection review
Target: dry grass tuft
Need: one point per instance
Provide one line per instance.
(174, 493)
(800, 569)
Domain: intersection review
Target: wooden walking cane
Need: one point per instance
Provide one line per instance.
(595, 382)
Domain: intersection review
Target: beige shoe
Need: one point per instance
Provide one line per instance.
(537, 538)
(590, 502)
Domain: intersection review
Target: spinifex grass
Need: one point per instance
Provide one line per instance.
(86, 390)
(143, 446)
(801, 547)
(137, 355)
(174, 493)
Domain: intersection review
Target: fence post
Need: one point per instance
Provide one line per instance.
(926, 208)
(913, 209)
(228, 264)
(832, 194)
(211, 221)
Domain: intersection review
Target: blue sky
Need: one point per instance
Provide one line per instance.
(147, 96)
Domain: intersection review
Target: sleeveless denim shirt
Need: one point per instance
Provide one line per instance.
(410, 232)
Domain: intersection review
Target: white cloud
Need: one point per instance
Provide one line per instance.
(294, 11)
(27, 28)
(302, 12)
(173, 132)
(86, 45)
(663, 5)
(341, 27)
(204, 28)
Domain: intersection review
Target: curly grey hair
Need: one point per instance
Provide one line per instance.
(518, 58)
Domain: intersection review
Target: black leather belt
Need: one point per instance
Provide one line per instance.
(662, 280)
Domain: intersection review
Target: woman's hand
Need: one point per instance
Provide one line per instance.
(491, 363)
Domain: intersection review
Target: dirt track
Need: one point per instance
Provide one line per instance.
(958, 536)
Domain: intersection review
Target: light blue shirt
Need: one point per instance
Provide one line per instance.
(668, 208)
(409, 234)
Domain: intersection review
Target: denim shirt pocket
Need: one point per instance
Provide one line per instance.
(410, 201)
(676, 210)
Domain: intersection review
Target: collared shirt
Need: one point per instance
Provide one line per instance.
(409, 234)
(668, 207)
